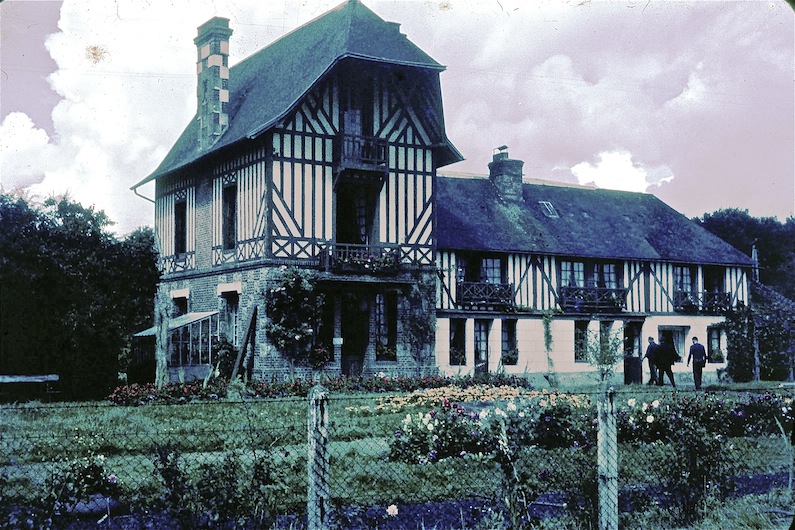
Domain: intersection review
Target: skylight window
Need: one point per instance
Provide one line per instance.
(548, 209)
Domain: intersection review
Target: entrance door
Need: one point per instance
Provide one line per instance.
(355, 329)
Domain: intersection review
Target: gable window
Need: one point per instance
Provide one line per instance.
(386, 327)
(180, 227)
(581, 341)
(229, 217)
(510, 353)
(458, 342)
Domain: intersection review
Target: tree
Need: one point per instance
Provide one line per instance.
(775, 243)
(71, 294)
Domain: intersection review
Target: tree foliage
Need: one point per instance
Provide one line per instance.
(71, 293)
(775, 243)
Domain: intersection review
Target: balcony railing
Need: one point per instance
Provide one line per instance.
(362, 152)
(360, 259)
(484, 294)
(592, 299)
(701, 302)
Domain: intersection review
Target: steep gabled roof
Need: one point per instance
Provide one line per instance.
(267, 85)
(590, 223)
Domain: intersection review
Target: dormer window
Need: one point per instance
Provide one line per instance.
(548, 209)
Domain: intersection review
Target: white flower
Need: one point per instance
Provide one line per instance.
(430, 426)
(483, 414)
(644, 407)
(392, 510)
(500, 412)
(655, 403)
(511, 406)
(649, 418)
(631, 402)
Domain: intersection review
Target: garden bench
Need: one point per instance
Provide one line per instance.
(48, 380)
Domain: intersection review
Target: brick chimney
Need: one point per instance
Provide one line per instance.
(212, 68)
(506, 175)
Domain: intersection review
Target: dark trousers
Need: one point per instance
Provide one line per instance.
(661, 371)
(652, 373)
(697, 370)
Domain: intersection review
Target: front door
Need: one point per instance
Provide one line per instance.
(355, 329)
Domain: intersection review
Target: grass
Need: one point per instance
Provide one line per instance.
(37, 438)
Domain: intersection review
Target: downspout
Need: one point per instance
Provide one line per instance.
(135, 190)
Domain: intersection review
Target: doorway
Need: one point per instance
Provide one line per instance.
(355, 330)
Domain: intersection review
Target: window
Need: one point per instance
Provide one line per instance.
(180, 227)
(603, 275)
(572, 273)
(458, 342)
(548, 209)
(483, 269)
(715, 353)
(231, 321)
(482, 345)
(684, 279)
(229, 217)
(581, 341)
(510, 353)
(386, 327)
(180, 306)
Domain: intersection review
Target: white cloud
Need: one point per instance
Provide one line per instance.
(25, 152)
(616, 170)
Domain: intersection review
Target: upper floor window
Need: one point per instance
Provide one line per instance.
(229, 217)
(714, 279)
(684, 279)
(484, 269)
(180, 227)
(572, 273)
(600, 274)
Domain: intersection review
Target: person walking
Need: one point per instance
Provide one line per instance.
(666, 357)
(699, 357)
(651, 355)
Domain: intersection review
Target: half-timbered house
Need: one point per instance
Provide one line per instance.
(319, 151)
(530, 270)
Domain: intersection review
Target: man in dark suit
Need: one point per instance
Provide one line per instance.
(666, 357)
(651, 355)
(699, 357)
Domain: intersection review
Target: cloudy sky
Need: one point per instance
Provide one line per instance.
(691, 101)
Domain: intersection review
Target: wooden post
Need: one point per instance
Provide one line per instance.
(607, 456)
(317, 503)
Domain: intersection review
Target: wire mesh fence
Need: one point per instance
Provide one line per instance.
(444, 459)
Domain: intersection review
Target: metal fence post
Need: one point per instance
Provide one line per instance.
(607, 455)
(317, 501)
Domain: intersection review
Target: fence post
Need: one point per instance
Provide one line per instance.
(317, 501)
(607, 455)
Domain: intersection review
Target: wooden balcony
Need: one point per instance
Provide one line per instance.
(349, 258)
(705, 302)
(362, 153)
(592, 299)
(485, 295)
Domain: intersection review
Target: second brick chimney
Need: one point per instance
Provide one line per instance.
(506, 175)
(212, 68)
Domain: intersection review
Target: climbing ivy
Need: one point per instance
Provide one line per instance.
(294, 309)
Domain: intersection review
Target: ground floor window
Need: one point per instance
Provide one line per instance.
(458, 342)
(581, 341)
(386, 327)
(715, 352)
(231, 320)
(675, 335)
(510, 352)
(482, 328)
(192, 343)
